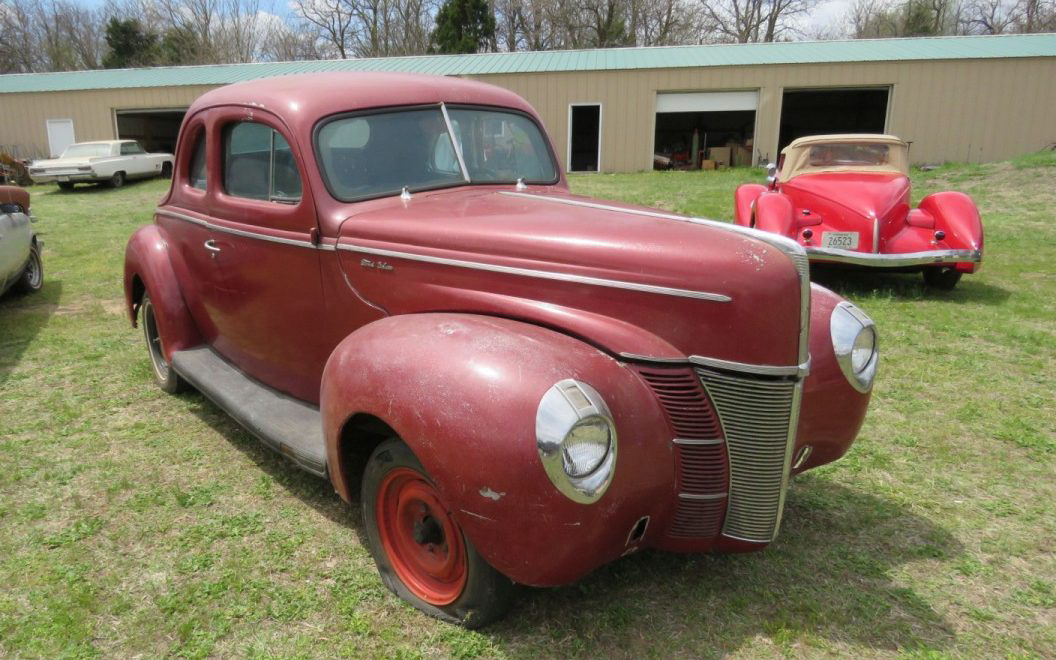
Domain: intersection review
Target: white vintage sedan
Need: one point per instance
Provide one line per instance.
(111, 161)
(20, 266)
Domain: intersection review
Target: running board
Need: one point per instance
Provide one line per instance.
(287, 425)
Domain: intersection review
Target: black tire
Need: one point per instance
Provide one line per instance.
(486, 595)
(117, 180)
(164, 375)
(32, 278)
(166, 171)
(66, 185)
(942, 278)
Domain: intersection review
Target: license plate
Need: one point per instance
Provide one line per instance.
(844, 240)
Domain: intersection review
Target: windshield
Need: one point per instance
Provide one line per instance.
(379, 154)
(86, 151)
(844, 154)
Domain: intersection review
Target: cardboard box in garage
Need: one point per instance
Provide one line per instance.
(721, 156)
(742, 156)
(707, 164)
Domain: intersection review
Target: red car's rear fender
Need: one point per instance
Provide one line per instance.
(463, 391)
(957, 215)
(148, 268)
(773, 213)
(743, 198)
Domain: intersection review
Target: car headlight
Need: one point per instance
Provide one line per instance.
(854, 342)
(576, 439)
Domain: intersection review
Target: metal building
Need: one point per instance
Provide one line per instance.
(954, 98)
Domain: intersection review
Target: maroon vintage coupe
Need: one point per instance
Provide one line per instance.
(845, 199)
(385, 278)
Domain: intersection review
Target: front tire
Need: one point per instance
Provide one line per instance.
(32, 278)
(117, 180)
(421, 553)
(164, 375)
(166, 171)
(65, 185)
(942, 278)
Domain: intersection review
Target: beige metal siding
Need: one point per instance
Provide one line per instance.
(965, 110)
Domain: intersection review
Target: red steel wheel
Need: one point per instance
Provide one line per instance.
(422, 554)
(421, 539)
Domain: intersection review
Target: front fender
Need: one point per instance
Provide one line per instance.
(148, 268)
(832, 411)
(462, 391)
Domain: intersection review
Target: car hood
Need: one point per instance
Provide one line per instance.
(866, 195)
(703, 289)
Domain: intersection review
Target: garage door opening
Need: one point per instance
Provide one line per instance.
(155, 129)
(821, 111)
(704, 128)
(584, 138)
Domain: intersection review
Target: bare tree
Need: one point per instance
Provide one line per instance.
(745, 21)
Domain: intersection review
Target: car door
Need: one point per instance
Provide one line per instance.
(15, 239)
(133, 160)
(268, 258)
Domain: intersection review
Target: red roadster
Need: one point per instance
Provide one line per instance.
(845, 199)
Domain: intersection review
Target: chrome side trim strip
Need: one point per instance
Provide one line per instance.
(698, 442)
(894, 260)
(634, 357)
(242, 232)
(697, 496)
(541, 274)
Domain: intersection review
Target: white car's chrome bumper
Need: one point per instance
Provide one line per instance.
(897, 260)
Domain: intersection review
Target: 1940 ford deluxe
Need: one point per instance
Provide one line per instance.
(385, 278)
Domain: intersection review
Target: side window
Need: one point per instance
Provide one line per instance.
(198, 172)
(131, 148)
(258, 164)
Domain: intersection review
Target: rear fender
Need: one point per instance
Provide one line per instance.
(773, 213)
(463, 391)
(743, 199)
(957, 215)
(148, 268)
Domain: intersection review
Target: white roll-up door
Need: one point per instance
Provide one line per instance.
(706, 101)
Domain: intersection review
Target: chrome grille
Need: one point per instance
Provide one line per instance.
(700, 453)
(756, 416)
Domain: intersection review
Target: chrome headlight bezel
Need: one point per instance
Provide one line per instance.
(847, 324)
(567, 405)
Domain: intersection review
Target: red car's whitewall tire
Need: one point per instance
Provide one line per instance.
(422, 555)
(164, 375)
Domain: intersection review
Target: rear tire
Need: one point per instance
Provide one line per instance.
(421, 553)
(164, 375)
(32, 278)
(117, 180)
(66, 185)
(942, 278)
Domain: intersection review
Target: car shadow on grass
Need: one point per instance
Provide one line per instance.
(858, 283)
(92, 188)
(832, 573)
(22, 317)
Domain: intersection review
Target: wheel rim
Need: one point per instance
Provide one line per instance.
(153, 337)
(34, 273)
(422, 541)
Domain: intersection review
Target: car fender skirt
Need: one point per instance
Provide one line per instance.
(463, 391)
(957, 215)
(147, 258)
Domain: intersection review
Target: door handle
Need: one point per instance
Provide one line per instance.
(211, 246)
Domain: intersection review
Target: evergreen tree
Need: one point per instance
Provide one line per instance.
(129, 45)
(463, 26)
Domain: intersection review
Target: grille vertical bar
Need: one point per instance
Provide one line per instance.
(756, 415)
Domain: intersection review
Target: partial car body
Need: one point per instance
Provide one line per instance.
(391, 284)
(846, 200)
(21, 267)
(107, 161)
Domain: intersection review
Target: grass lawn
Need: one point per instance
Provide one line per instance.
(136, 523)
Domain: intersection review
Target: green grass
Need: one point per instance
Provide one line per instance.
(135, 523)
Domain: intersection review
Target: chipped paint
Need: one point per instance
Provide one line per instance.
(490, 494)
(477, 515)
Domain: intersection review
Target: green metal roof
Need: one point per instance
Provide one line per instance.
(610, 59)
